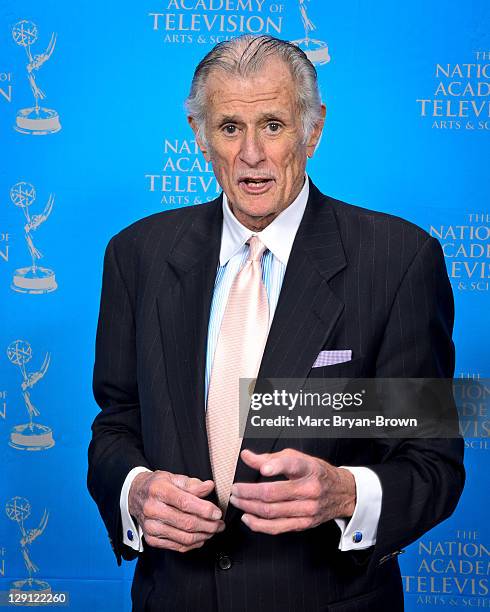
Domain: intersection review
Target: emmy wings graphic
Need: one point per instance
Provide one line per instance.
(34, 278)
(36, 120)
(316, 50)
(29, 436)
(18, 509)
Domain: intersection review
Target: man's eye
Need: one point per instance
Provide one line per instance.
(273, 126)
(230, 129)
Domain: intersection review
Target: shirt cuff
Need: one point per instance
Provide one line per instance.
(360, 531)
(132, 532)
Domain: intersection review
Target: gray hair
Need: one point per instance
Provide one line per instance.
(246, 55)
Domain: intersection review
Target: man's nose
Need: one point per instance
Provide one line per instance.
(252, 150)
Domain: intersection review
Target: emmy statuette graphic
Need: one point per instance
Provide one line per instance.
(29, 436)
(18, 509)
(34, 278)
(316, 50)
(36, 120)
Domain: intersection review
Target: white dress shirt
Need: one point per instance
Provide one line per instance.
(360, 530)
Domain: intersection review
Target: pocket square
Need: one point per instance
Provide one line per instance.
(326, 358)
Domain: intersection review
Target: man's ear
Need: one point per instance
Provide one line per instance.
(315, 135)
(200, 143)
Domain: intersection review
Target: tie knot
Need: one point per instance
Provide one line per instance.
(256, 249)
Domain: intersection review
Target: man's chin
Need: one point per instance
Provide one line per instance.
(256, 218)
(255, 209)
(253, 206)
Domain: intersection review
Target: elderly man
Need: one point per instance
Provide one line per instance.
(271, 279)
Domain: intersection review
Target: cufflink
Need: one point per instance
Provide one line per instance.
(130, 535)
(357, 537)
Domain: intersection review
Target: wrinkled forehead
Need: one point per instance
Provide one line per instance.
(271, 85)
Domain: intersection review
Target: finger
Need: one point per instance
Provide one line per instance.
(255, 460)
(289, 462)
(186, 502)
(167, 515)
(156, 529)
(203, 489)
(277, 526)
(265, 510)
(277, 491)
(169, 544)
(198, 487)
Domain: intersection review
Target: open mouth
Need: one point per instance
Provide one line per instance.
(255, 185)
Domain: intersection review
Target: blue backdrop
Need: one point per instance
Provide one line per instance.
(407, 88)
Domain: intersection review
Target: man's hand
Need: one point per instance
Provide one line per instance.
(169, 509)
(314, 493)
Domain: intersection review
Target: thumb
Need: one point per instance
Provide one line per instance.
(255, 460)
(287, 462)
(195, 486)
(201, 488)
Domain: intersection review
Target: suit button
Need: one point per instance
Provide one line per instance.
(224, 561)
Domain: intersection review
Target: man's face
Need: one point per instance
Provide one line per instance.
(255, 141)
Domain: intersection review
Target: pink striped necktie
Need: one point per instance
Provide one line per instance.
(239, 349)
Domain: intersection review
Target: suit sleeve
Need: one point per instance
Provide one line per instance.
(116, 446)
(421, 479)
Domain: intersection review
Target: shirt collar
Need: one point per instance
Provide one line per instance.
(278, 236)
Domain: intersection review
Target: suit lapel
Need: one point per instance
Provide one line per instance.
(184, 306)
(307, 311)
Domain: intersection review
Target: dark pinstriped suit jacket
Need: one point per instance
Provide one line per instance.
(356, 279)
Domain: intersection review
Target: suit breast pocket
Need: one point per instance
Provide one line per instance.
(347, 369)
